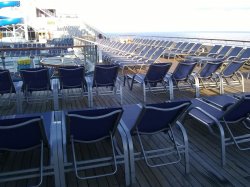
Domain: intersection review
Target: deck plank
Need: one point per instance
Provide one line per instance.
(205, 166)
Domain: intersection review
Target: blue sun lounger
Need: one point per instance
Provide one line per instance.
(89, 127)
(229, 112)
(143, 122)
(26, 132)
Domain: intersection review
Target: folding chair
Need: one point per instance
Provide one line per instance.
(72, 77)
(10, 90)
(231, 76)
(36, 79)
(22, 133)
(206, 77)
(104, 82)
(148, 120)
(231, 114)
(93, 126)
(6, 85)
(154, 75)
(180, 79)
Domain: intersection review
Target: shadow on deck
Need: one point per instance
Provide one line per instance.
(204, 150)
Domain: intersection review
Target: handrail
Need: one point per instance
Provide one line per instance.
(178, 37)
(40, 48)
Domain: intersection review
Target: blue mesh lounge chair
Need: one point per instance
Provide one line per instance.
(22, 133)
(93, 126)
(214, 50)
(180, 78)
(231, 76)
(140, 64)
(231, 114)
(175, 50)
(36, 79)
(178, 53)
(232, 54)
(72, 77)
(206, 77)
(213, 56)
(10, 91)
(104, 82)
(141, 123)
(151, 80)
(194, 50)
(6, 84)
(245, 55)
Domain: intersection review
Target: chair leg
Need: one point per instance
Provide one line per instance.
(144, 152)
(186, 149)
(93, 176)
(41, 167)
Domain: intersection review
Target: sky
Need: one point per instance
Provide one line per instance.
(160, 15)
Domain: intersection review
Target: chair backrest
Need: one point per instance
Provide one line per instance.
(151, 52)
(35, 79)
(178, 45)
(188, 47)
(209, 68)
(93, 124)
(183, 45)
(105, 75)
(224, 50)
(22, 133)
(6, 83)
(183, 70)
(157, 72)
(196, 47)
(245, 55)
(157, 54)
(72, 77)
(232, 68)
(215, 49)
(158, 117)
(235, 52)
(145, 50)
(238, 111)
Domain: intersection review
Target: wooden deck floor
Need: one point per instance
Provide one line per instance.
(204, 152)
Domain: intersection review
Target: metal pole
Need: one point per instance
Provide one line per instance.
(3, 61)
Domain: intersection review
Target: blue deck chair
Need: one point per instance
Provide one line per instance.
(20, 133)
(93, 126)
(10, 90)
(176, 46)
(168, 54)
(193, 51)
(139, 65)
(232, 54)
(180, 78)
(245, 55)
(231, 76)
(222, 54)
(36, 79)
(163, 118)
(105, 81)
(151, 80)
(6, 85)
(231, 114)
(179, 52)
(206, 77)
(72, 77)
(213, 50)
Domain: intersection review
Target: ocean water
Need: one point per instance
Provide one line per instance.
(223, 35)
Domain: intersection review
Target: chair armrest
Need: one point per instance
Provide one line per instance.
(89, 80)
(231, 58)
(18, 85)
(211, 54)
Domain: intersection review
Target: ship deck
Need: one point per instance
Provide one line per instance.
(204, 150)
